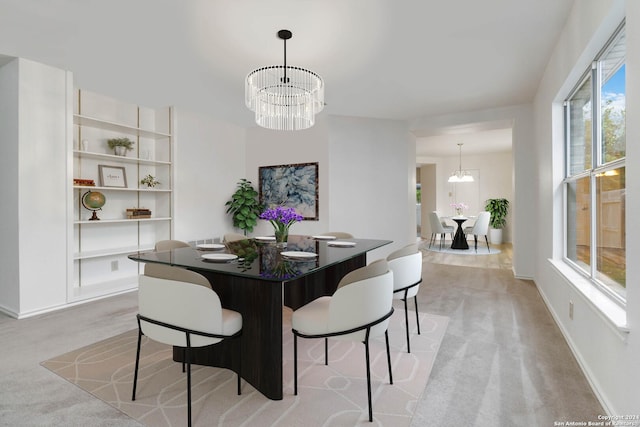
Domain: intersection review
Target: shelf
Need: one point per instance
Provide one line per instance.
(94, 187)
(112, 221)
(92, 155)
(113, 126)
(111, 252)
(100, 290)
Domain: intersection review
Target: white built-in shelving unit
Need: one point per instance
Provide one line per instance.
(99, 249)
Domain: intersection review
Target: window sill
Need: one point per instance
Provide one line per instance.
(613, 314)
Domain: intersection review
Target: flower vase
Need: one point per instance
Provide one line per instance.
(282, 236)
(458, 212)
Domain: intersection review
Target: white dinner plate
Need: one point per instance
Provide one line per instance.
(219, 257)
(210, 246)
(265, 238)
(342, 244)
(298, 254)
(324, 237)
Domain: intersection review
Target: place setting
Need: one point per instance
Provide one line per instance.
(218, 257)
(299, 255)
(210, 246)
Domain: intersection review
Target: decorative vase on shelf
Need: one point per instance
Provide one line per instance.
(120, 151)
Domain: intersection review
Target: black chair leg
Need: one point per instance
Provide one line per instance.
(135, 372)
(295, 364)
(189, 393)
(415, 299)
(239, 364)
(487, 240)
(475, 240)
(366, 345)
(406, 323)
(326, 351)
(386, 338)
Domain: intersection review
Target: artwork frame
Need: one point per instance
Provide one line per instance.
(112, 176)
(292, 185)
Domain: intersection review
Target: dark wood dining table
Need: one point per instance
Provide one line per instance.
(258, 284)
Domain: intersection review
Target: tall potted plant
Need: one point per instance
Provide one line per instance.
(498, 208)
(244, 206)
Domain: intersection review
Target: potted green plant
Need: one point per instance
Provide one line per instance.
(120, 146)
(150, 181)
(498, 208)
(244, 206)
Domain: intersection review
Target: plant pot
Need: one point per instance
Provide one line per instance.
(495, 236)
(120, 150)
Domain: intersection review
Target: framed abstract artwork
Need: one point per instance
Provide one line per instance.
(294, 186)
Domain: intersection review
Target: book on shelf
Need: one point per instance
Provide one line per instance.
(138, 213)
(84, 182)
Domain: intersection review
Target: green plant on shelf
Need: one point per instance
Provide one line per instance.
(150, 181)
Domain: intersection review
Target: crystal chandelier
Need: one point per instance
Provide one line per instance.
(460, 175)
(282, 96)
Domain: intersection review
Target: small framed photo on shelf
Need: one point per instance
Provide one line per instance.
(112, 176)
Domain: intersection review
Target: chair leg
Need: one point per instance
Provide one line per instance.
(475, 240)
(386, 338)
(135, 372)
(415, 299)
(366, 345)
(406, 322)
(487, 240)
(295, 364)
(326, 351)
(431, 241)
(189, 393)
(239, 364)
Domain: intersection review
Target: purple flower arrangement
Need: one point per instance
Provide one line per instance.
(281, 218)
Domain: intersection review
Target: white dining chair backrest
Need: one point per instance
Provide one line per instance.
(167, 245)
(182, 304)
(406, 264)
(436, 225)
(339, 234)
(163, 271)
(481, 227)
(363, 300)
(233, 237)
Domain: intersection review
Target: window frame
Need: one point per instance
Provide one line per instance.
(597, 166)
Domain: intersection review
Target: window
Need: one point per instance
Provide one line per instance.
(594, 185)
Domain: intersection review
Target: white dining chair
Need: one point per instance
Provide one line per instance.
(406, 264)
(233, 237)
(480, 228)
(358, 310)
(167, 245)
(184, 315)
(437, 228)
(339, 234)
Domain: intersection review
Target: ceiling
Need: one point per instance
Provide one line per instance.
(391, 59)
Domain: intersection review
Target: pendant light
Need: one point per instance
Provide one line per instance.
(460, 175)
(284, 97)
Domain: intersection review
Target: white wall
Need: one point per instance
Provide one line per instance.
(35, 183)
(372, 180)
(209, 161)
(9, 267)
(610, 358)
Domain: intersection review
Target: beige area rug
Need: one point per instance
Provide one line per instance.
(334, 395)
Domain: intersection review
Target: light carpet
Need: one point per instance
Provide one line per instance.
(334, 395)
